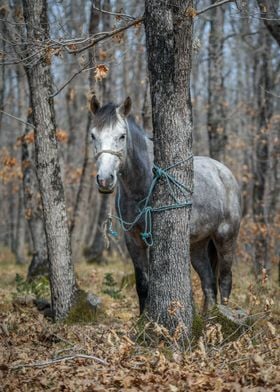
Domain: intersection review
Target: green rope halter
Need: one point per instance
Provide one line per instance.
(146, 210)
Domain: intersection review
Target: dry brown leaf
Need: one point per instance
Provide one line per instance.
(101, 72)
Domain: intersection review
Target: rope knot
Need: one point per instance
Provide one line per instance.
(147, 238)
(158, 171)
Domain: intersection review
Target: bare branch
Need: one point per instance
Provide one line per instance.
(70, 80)
(58, 360)
(114, 13)
(18, 119)
(108, 35)
(218, 4)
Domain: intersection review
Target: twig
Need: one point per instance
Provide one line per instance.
(57, 360)
(18, 119)
(114, 13)
(107, 35)
(218, 4)
(68, 81)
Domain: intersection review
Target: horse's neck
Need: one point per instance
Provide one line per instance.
(137, 174)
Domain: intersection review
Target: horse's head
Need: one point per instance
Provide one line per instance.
(109, 136)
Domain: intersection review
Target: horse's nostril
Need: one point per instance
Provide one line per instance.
(106, 182)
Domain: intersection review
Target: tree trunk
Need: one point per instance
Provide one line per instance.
(216, 91)
(62, 278)
(169, 49)
(264, 106)
(95, 251)
(20, 230)
(33, 209)
(83, 195)
(270, 17)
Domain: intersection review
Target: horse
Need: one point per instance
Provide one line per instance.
(124, 158)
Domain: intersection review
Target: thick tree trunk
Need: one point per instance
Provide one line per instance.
(216, 92)
(169, 50)
(62, 278)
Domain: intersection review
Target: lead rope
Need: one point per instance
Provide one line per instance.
(147, 210)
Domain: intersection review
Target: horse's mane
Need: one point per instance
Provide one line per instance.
(106, 114)
(140, 139)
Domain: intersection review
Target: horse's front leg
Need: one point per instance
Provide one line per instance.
(139, 254)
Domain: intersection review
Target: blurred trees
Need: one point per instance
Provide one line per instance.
(235, 94)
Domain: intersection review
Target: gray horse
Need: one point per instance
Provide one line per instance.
(123, 155)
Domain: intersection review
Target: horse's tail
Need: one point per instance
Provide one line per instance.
(214, 261)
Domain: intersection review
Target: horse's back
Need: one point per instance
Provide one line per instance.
(216, 200)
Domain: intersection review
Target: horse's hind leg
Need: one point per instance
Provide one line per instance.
(201, 264)
(226, 252)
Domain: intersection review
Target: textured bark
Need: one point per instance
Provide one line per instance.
(83, 196)
(169, 46)
(263, 84)
(62, 278)
(33, 209)
(216, 92)
(270, 17)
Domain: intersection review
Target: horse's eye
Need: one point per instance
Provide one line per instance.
(122, 137)
(92, 136)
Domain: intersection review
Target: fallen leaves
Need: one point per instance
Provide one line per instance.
(27, 338)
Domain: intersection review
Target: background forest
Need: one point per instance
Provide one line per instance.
(236, 113)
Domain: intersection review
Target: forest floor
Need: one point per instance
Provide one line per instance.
(32, 347)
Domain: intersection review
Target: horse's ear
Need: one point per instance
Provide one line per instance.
(125, 107)
(94, 104)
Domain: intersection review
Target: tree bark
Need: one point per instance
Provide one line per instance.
(264, 109)
(216, 92)
(270, 17)
(62, 278)
(169, 51)
(39, 264)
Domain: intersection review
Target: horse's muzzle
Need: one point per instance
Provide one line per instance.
(106, 185)
(102, 190)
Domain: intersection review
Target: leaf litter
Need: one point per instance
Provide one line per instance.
(106, 356)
